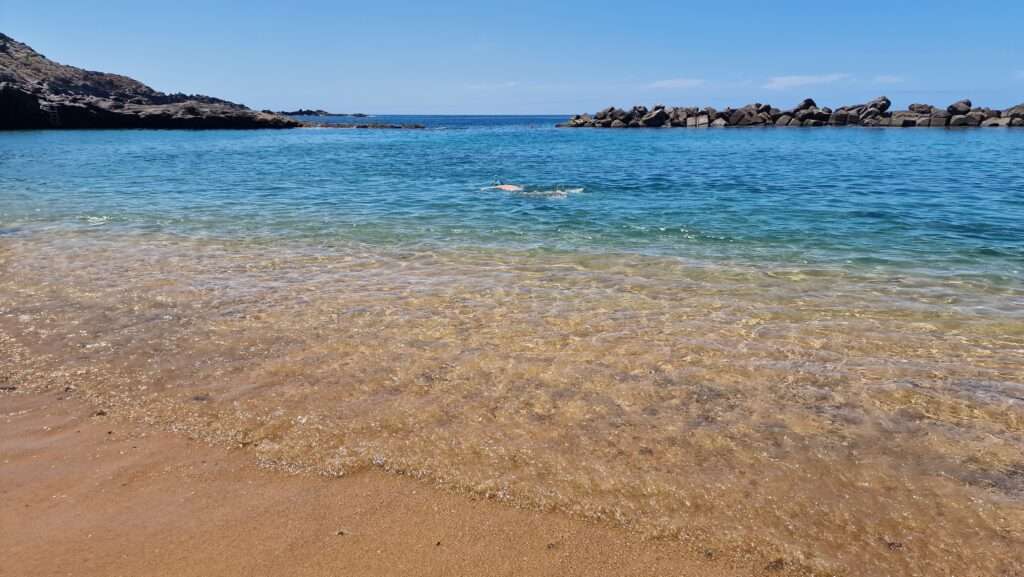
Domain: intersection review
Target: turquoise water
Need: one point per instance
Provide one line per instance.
(771, 344)
(942, 202)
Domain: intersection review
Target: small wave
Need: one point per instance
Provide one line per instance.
(556, 192)
(97, 220)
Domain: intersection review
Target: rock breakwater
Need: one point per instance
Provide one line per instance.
(876, 113)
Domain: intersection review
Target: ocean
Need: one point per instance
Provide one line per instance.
(799, 344)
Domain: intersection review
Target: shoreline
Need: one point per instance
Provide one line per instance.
(111, 348)
(84, 489)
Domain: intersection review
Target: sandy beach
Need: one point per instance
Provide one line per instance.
(91, 495)
(384, 396)
(741, 315)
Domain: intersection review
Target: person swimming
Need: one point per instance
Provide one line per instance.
(499, 185)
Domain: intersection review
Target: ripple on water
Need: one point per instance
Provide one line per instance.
(815, 416)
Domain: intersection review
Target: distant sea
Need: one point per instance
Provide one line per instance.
(798, 344)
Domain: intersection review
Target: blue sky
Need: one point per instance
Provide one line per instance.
(539, 57)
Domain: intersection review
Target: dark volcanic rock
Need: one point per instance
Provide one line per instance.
(975, 118)
(875, 113)
(961, 107)
(807, 103)
(656, 117)
(939, 119)
(36, 92)
(996, 122)
(958, 120)
(317, 112)
(880, 104)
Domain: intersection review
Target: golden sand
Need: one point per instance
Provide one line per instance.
(829, 422)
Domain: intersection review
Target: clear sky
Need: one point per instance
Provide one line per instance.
(539, 56)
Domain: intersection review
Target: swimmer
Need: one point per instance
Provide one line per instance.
(498, 185)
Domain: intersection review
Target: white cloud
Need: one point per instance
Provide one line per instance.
(889, 79)
(677, 83)
(787, 82)
(493, 85)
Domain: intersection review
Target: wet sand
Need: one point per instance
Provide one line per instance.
(91, 495)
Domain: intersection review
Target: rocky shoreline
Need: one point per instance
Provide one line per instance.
(371, 125)
(36, 92)
(318, 112)
(875, 113)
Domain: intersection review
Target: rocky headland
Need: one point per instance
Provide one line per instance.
(368, 125)
(319, 112)
(877, 112)
(36, 92)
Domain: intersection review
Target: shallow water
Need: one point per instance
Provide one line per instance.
(804, 346)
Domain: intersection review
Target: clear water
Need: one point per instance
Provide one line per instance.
(945, 202)
(796, 349)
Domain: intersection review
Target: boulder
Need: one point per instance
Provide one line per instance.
(880, 104)
(1017, 121)
(617, 124)
(958, 120)
(939, 118)
(783, 120)
(996, 122)
(742, 117)
(1014, 112)
(869, 113)
(921, 108)
(719, 123)
(988, 112)
(904, 119)
(807, 103)
(975, 118)
(657, 117)
(959, 107)
(703, 120)
(839, 118)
